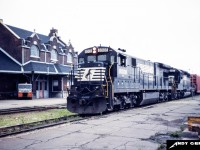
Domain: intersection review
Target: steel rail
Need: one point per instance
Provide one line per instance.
(7, 131)
(29, 109)
(12, 130)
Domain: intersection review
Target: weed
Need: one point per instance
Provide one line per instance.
(28, 117)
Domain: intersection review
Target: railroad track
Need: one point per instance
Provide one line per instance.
(29, 109)
(12, 130)
(6, 131)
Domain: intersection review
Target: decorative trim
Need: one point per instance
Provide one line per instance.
(34, 56)
(34, 33)
(8, 71)
(35, 42)
(53, 60)
(35, 62)
(63, 44)
(55, 68)
(25, 47)
(49, 73)
(52, 37)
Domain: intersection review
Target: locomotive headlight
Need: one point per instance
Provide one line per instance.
(94, 50)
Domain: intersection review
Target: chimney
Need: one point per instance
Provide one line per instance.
(53, 32)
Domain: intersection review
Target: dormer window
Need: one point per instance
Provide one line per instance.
(69, 58)
(34, 51)
(54, 55)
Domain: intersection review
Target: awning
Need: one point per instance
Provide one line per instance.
(46, 68)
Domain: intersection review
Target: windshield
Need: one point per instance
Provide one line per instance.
(101, 57)
(91, 58)
(25, 86)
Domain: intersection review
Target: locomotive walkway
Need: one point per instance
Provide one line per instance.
(144, 128)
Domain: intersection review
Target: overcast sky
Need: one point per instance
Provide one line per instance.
(166, 31)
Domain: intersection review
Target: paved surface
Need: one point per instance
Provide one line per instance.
(6, 104)
(145, 128)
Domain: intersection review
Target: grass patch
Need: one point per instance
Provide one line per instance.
(28, 117)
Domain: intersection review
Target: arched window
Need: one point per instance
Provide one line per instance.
(69, 58)
(34, 51)
(54, 55)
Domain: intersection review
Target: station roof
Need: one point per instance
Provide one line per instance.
(22, 33)
(7, 64)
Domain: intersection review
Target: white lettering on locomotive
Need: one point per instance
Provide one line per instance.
(122, 71)
(146, 68)
(99, 50)
(102, 49)
(87, 51)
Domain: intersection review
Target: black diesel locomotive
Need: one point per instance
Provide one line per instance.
(108, 79)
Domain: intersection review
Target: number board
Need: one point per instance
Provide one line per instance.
(99, 50)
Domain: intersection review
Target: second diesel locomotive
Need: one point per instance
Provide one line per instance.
(108, 79)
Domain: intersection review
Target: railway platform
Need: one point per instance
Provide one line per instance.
(9, 104)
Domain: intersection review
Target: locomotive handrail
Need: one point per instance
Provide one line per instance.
(109, 72)
(106, 86)
(110, 78)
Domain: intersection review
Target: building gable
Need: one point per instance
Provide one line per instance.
(19, 42)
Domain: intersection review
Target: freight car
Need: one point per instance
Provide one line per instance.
(109, 79)
(195, 82)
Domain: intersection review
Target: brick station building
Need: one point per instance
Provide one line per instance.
(30, 57)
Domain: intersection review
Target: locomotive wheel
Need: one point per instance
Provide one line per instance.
(116, 107)
(128, 105)
(122, 106)
(166, 97)
(161, 98)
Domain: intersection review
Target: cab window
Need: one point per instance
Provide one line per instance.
(122, 60)
(91, 58)
(81, 60)
(112, 59)
(101, 57)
